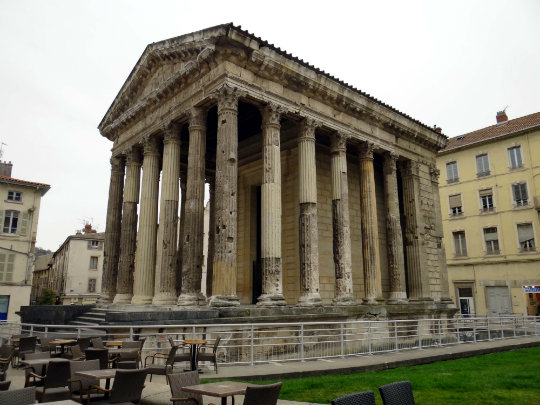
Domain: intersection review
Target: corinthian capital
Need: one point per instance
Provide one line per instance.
(197, 117)
(307, 129)
(150, 145)
(365, 151)
(227, 98)
(271, 113)
(389, 162)
(117, 164)
(435, 173)
(171, 131)
(338, 142)
(133, 155)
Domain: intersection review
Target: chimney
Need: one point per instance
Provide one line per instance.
(438, 130)
(5, 169)
(501, 117)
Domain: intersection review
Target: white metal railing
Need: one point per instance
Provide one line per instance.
(265, 342)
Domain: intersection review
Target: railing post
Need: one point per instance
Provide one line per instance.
(342, 339)
(46, 331)
(131, 337)
(474, 330)
(488, 328)
(419, 334)
(369, 338)
(395, 336)
(251, 347)
(440, 332)
(514, 320)
(302, 342)
(32, 330)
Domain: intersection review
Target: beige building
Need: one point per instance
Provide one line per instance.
(320, 194)
(77, 266)
(40, 276)
(19, 213)
(490, 201)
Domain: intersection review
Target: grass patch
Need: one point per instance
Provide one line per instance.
(511, 377)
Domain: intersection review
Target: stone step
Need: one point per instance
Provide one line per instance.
(84, 323)
(89, 319)
(95, 315)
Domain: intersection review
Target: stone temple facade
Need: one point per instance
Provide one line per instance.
(320, 194)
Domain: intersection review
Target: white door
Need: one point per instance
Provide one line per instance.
(498, 301)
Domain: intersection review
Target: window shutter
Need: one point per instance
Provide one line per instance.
(89, 244)
(24, 224)
(455, 200)
(525, 232)
(2, 266)
(9, 268)
(486, 192)
(2, 220)
(489, 236)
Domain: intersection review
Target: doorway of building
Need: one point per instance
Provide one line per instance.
(4, 307)
(466, 301)
(256, 276)
(498, 301)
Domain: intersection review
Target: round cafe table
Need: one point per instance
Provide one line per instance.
(194, 345)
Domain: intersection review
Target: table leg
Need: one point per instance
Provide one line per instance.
(224, 401)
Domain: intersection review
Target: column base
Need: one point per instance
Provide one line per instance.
(141, 299)
(106, 298)
(224, 301)
(373, 301)
(421, 299)
(344, 300)
(164, 299)
(398, 298)
(188, 299)
(310, 300)
(271, 300)
(122, 298)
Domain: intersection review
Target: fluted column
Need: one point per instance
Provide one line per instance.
(272, 275)
(370, 233)
(165, 277)
(308, 229)
(193, 237)
(128, 237)
(225, 244)
(145, 260)
(396, 261)
(340, 222)
(211, 236)
(413, 232)
(179, 254)
(112, 231)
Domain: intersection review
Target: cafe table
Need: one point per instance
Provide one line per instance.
(62, 402)
(221, 389)
(194, 345)
(43, 363)
(103, 374)
(62, 343)
(113, 343)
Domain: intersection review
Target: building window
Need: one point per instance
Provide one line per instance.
(491, 238)
(519, 191)
(482, 165)
(514, 157)
(11, 220)
(93, 262)
(92, 285)
(460, 244)
(451, 172)
(455, 205)
(466, 301)
(14, 196)
(6, 266)
(486, 199)
(94, 244)
(526, 237)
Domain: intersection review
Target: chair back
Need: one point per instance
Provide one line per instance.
(23, 396)
(83, 343)
(131, 345)
(128, 386)
(97, 343)
(27, 344)
(44, 343)
(359, 398)
(38, 355)
(101, 354)
(171, 341)
(216, 344)
(397, 393)
(75, 366)
(6, 351)
(76, 352)
(170, 357)
(4, 385)
(181, 380)
(57, 375)
(262, 394)
(127, 365)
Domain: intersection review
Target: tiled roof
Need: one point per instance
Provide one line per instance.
(23, 182)
(504, 128)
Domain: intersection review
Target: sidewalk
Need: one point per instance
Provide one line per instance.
(158, 393)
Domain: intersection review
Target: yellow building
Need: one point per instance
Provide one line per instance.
(490, 203)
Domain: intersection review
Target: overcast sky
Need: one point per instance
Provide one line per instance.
(450, 63)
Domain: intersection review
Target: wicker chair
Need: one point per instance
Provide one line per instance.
(202, 356)
(163, 369)
(127, 387)
(135, 355)
(102, 355)
(27, 344)
(181, 380)
(79, 385)
(359, 398)
(83, 343)
(76, 353)
(55, 382)
(184, 355)
(262, 394)
(23, 396)
(6, 356)
(397, 393)
(28, 369)
(97, 343)
(4, 385)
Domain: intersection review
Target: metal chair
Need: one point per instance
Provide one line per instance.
(212, 357)
(262, 394)
(181, 380)
(127, 387)
(28, 369)
(163, 369)
(397, 393)
(359, 398)
(27, 344)
(55, 382)
(76, 353)
(79, 385)
(23, 396)
(183, 355)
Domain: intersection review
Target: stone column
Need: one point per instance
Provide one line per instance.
(193, 236)
(179, 255)
(272, 274)
(308, 230)
(128, 237)
(370, 233)
(211, 236)
(112, 231)
(165, 278)
(396, 262)
(145, 260)
(413, 235)
(225, 244)
(340, 222)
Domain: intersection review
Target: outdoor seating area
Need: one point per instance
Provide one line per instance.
(397, 393)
